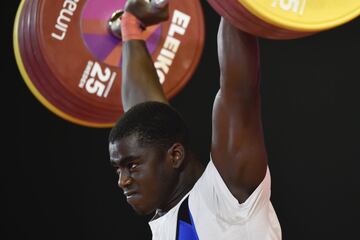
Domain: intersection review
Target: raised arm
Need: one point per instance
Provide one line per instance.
(238, 149)
(140, 82)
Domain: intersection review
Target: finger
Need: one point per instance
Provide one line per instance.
(159, 3)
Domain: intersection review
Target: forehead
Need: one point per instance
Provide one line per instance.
(124, 147)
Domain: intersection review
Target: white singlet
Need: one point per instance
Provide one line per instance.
(217, 215)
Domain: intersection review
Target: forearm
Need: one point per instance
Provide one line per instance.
(140, 82)
(239, 61)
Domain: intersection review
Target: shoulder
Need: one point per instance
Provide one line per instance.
(211, 191)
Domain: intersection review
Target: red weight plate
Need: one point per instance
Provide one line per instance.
(72, 104)
(72, 63)
(38, 77)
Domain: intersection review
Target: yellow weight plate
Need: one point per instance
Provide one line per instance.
(304, 15)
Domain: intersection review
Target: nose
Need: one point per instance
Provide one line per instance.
(124, 179)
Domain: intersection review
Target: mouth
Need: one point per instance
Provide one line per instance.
(130, 194)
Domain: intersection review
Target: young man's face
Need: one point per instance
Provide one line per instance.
(145, 175)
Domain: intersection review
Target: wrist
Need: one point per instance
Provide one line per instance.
(131, 27)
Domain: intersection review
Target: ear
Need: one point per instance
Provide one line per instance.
(176, 155)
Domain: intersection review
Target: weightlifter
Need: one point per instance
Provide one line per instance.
(149, 147)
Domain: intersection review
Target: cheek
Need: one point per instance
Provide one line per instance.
(150, 183)
(153, 182)
(165, 183)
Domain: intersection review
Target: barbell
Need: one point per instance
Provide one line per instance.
(69, 53)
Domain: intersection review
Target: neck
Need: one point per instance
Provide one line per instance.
(187, 179)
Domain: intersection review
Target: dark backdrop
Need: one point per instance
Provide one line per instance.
(57, 183)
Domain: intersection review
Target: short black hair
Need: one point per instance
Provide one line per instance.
(153, 123)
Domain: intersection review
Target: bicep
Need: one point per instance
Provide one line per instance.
(238, 149)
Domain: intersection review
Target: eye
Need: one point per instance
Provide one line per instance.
(133, 166)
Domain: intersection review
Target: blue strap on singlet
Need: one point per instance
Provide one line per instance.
(185, 224)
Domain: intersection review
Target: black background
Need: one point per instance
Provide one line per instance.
(57, 183)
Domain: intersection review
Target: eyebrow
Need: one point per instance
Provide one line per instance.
(122, 161)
